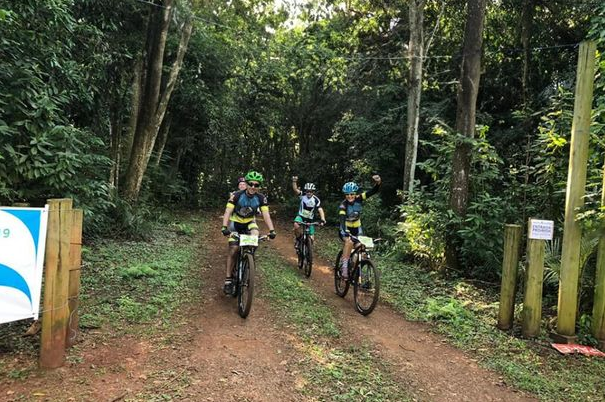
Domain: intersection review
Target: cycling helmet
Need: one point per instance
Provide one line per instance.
(254, 176)
(241, 179)
(310, 187)
(350, 187)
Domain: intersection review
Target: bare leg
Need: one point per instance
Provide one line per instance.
(231, 259)
(346, 252)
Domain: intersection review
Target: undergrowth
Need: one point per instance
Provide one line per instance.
(467, 314)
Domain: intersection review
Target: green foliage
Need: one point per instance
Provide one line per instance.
(449, 310)
(426, 216)
(420, 233)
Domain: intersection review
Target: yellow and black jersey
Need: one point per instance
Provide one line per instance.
(246, 206)
(350, 212)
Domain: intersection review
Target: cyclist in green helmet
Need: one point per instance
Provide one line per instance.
(240, 217)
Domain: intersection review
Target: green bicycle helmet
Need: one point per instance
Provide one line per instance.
(254, 176)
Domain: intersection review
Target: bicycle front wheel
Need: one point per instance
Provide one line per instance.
(341, 285)
(308, 264)
(246, 286)
(366, 287)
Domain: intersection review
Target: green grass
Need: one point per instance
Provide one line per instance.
(133, 282)
(467, 316)
(293, 298)
(334, 370)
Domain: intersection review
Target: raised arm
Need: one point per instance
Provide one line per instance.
(375, 189)
(295, 185)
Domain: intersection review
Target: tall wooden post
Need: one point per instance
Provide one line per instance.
(75, 258)
(532, 297)
(512, 236)
(55, 315)
(598, 308)
(574, 198)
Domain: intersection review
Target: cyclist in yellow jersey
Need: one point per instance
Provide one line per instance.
(240, 217)
(349, 212)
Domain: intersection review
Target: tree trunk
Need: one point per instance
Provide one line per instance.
(468, 89)
(527, 15)
(415, 49)
(154, 103)
(163, 137)
(115, 129)
(135, 102)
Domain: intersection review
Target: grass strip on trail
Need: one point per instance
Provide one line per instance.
(467, 316)
(333, 370)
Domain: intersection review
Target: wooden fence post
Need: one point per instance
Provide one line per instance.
(598, 307)
(512, 236)
(55, 315)
(532, 298)
(574, 196)
(75, 257)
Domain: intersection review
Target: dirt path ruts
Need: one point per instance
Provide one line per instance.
(239, 360)
(434, 369)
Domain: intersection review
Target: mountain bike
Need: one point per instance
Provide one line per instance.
(305, 248)
(243, 271)
(364, 276)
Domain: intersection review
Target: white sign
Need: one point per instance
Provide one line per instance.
(541, 229)
(367, 241)
(22, 242)
(248, 240)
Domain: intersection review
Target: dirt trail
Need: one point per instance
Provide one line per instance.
(217, 356)
(435, 370)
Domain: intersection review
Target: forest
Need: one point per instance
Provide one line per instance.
(124, 119)
(464, 108)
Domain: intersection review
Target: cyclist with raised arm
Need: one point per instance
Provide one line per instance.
(308, 210)
(240, 217)
(349, 212)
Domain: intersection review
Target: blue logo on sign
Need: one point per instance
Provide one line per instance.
(12, 279)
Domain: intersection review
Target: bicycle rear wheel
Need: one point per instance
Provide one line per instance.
(308, 264)
(341, 285)
(366, 287)
(246, 286)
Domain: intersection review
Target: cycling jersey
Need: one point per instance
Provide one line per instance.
(245, 206)
(308, 207)
(350, 212)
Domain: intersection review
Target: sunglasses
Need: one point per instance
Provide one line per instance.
(254, 184)
(351, 194)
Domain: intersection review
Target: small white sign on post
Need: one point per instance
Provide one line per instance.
(540, 229)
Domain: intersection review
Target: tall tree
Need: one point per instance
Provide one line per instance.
(468, 89)
(415, 52)
(154, 101)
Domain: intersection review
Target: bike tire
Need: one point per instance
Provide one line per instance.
(246, 286)
(341, 286)
(308, 258)
(366, 287)
(301, 254)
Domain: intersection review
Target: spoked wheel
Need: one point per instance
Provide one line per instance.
(366, 287)
(341, 285)
(246, 286)
(308, 259)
